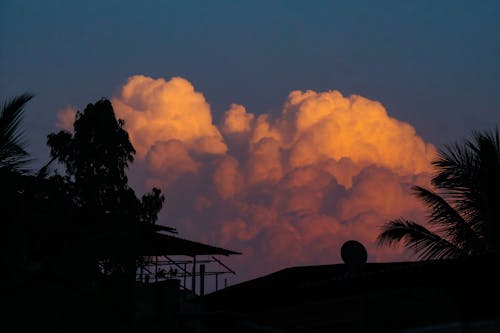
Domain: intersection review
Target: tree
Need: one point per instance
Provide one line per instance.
(56, 228)
(14, 178)
(96, 156)
(464, 209)
(13, 156)
(33, 207)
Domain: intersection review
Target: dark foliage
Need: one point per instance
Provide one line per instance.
(464, 209)
(13, 156)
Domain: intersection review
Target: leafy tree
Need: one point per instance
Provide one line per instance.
(96, 156)
(464, 209)
(54, 226)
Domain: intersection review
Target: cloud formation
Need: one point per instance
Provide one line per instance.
(160, 111)
(66, 118)
(285, 189)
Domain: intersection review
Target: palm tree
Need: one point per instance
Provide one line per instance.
(13, 156)
(464, 209)
(13, 178)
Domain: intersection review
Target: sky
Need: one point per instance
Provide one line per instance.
(278, 129)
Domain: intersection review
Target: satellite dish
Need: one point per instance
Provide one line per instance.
(353, 253)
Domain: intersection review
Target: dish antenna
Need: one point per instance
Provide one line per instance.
(353, 253)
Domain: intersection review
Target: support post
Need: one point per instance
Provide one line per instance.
(202, 280)
(193, 277)
(141, 276)
(156, 268)
(185, 275)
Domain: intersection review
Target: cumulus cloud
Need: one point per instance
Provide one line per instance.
(284, 189)
(237, 120)
(329, 126)
(171, 160)
(66, 118)
(159, 110)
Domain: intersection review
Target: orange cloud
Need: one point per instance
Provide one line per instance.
(227, 177)
(237, 120)
(156, 110)
(284, 189)
(66, 118)
(171, 160)
(323, 126)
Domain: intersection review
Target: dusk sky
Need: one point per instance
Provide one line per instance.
(259, 119)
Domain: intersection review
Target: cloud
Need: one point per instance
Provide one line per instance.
(237, 120)
(171, 160)
(159, 110)
(329, 126)
(66, 118)
(284, 189)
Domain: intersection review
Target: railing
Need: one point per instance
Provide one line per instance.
(157, 269)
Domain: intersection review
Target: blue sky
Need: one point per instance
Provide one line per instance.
(434, 64)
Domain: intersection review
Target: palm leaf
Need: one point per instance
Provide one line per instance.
(465, 209)
(449, 222)
(486, 195)
(470, 172)
(12, 153)
(455, 164)
(426, 244)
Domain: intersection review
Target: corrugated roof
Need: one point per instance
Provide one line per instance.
(160, 244)
(146, 242)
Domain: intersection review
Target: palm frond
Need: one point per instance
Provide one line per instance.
(455, 164)
(426, 244)
(465, 207)
(485, 140)
(449, 222)
(486, 195)
(12, 153)
(469, 175)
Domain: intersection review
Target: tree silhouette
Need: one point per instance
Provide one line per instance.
(13, 179)
(464, 209)
(58, 229)
(13, 156)
(35, 222)
(96, 156)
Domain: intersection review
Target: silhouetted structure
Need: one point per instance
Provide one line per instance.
(81, 251)
(459, 295)
(165, 288)
(63, 299)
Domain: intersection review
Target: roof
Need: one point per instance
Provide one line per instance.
(161, 244)
(379, 296)
(148, 243)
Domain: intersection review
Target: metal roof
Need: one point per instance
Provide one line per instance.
(161, 244)
(150, 243)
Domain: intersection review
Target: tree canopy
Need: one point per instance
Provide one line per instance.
(96, 156)
(50, 215)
